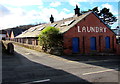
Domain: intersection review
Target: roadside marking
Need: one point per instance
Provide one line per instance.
(99, 61)
(99, 71)
(37, 81)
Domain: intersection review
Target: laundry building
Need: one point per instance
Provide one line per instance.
(84, 33)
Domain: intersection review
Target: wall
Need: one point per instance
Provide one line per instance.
(2, 36)
(90, 21)
(31, 41)
(118, 49)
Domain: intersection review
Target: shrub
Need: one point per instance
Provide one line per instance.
(49, 38)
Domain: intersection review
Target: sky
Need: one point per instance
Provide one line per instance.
(22, 12)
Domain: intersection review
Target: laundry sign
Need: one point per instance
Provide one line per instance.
(91, 29)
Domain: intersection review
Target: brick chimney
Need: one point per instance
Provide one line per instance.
(51, 19)
(77, 11)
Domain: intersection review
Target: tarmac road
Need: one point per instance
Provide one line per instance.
(30, 66)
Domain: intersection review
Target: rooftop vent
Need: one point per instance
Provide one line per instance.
(41, 28)
(53, 25)
(67, 23)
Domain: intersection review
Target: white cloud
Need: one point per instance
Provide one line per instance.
(21, 2)
(97, 0)
(19, 16)
(114, 25)
(66, 10)
(56, 14)
(16, 17)
(55, 4)
(74, 2)
(3, 10)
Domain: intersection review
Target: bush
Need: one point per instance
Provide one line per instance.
(49, 38)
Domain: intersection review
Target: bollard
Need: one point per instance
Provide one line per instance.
(10, 48)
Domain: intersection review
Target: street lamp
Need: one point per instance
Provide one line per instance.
(117, 30)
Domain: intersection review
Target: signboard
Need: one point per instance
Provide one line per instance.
(91, 29)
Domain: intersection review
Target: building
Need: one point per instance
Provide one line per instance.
(12, 36)
(3, 35)
(117, 32)
(84, 33)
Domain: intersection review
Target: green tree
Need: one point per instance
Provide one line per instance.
(49, 38)
(105, 15)
(96, 10)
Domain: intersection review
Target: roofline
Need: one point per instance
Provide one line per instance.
(97, 17)
(103, 22)
(78, 21)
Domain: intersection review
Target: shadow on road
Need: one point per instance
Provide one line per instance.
(17, 69)
(111, 61)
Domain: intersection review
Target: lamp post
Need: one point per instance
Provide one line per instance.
(117, 30)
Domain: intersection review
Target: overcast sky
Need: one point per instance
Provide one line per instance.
(22, 12)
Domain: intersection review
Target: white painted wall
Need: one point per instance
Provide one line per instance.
(2, 35)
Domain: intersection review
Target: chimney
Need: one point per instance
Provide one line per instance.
(51, 19)
(77, 11)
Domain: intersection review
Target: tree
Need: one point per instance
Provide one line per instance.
(50, 37)
(96, 10)
(105, 15)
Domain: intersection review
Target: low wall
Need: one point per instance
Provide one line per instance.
(37, 47)
(7, 47)
(56, 50)
(118, 49)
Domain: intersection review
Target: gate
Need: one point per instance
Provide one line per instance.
(93, 43)
(75, 45)
(107, 42)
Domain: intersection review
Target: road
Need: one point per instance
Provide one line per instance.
(30, 66)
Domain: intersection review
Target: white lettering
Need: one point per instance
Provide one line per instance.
(79, 29)
(97, 29)
(104, 29)
(91, 29)
(88, 30)
(84, 29)
(101, 29)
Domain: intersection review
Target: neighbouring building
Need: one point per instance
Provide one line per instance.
(3, 35)
(117, 32)
(84, 33)
(11, 35)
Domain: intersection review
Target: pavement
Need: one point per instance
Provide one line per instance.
(28, 66)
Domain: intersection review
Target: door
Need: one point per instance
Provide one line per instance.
(93, 43)
(107, 42)
(75, 45)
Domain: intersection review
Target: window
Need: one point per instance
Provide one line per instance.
(53, 25)
(67, 23)
(25, 32)
(41, 28)
(32, 29)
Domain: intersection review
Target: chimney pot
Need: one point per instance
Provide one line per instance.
(77, 11)
(51, 19)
